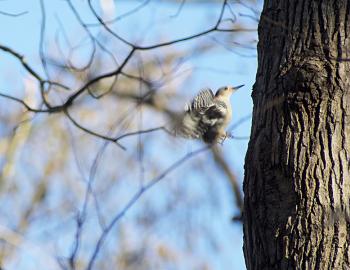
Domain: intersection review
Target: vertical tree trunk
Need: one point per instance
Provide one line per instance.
(297, 168)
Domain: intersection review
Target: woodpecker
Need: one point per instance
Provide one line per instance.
(207, 115)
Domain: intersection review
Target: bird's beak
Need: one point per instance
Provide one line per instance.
(237, 87)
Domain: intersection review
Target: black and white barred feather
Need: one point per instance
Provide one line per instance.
(202, 117)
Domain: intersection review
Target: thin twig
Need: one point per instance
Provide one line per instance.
(24, 104)
(13, 14)
(91, 82)
(139, 132)
(126, 14)
(182, 4)
(93, 40)
(131, 53)
(117, 71)
(134, 199)
(106, 26)
(92, 132)
(22, 60)
(220, 160)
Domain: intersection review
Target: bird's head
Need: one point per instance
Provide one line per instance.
(226, 91)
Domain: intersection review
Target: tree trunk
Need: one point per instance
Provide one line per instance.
(297, 168)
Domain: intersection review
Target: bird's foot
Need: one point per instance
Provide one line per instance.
(229, 135)
(222, 138)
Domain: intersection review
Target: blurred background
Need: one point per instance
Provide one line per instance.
(70, 197)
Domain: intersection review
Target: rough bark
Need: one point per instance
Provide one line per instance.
(297, 168)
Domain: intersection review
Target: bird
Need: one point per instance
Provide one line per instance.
(207, 116)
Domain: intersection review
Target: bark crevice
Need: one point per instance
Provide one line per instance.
(297, 169)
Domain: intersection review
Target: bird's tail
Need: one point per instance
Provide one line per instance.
(186, 125)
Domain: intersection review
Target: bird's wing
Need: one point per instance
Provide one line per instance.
(202, 101)
(214, 114)
(190, 124)
(202, 114)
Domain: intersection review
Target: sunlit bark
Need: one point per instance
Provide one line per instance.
(297, 180)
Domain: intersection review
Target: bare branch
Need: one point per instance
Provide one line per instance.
(42, 37)
(112, 139)
(151, 47)
(220, 160)
(94, 77)
(141, 132)
(23, 62)
(126, 14)
(239, 137)
(23, 103)
(93, 133)
(135, 198)
(91, 82)
(134, 48)
(179, 9)
(131, 53)
(81, 216)
(236, 30)
(31, 71)
(13, 14)
(94, 41)
(106, 26)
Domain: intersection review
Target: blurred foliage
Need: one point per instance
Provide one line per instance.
(47, 163)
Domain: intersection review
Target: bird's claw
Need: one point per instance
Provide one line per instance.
(222, 138)
(229, 135)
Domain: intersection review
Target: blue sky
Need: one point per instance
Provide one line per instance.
(221, 66)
